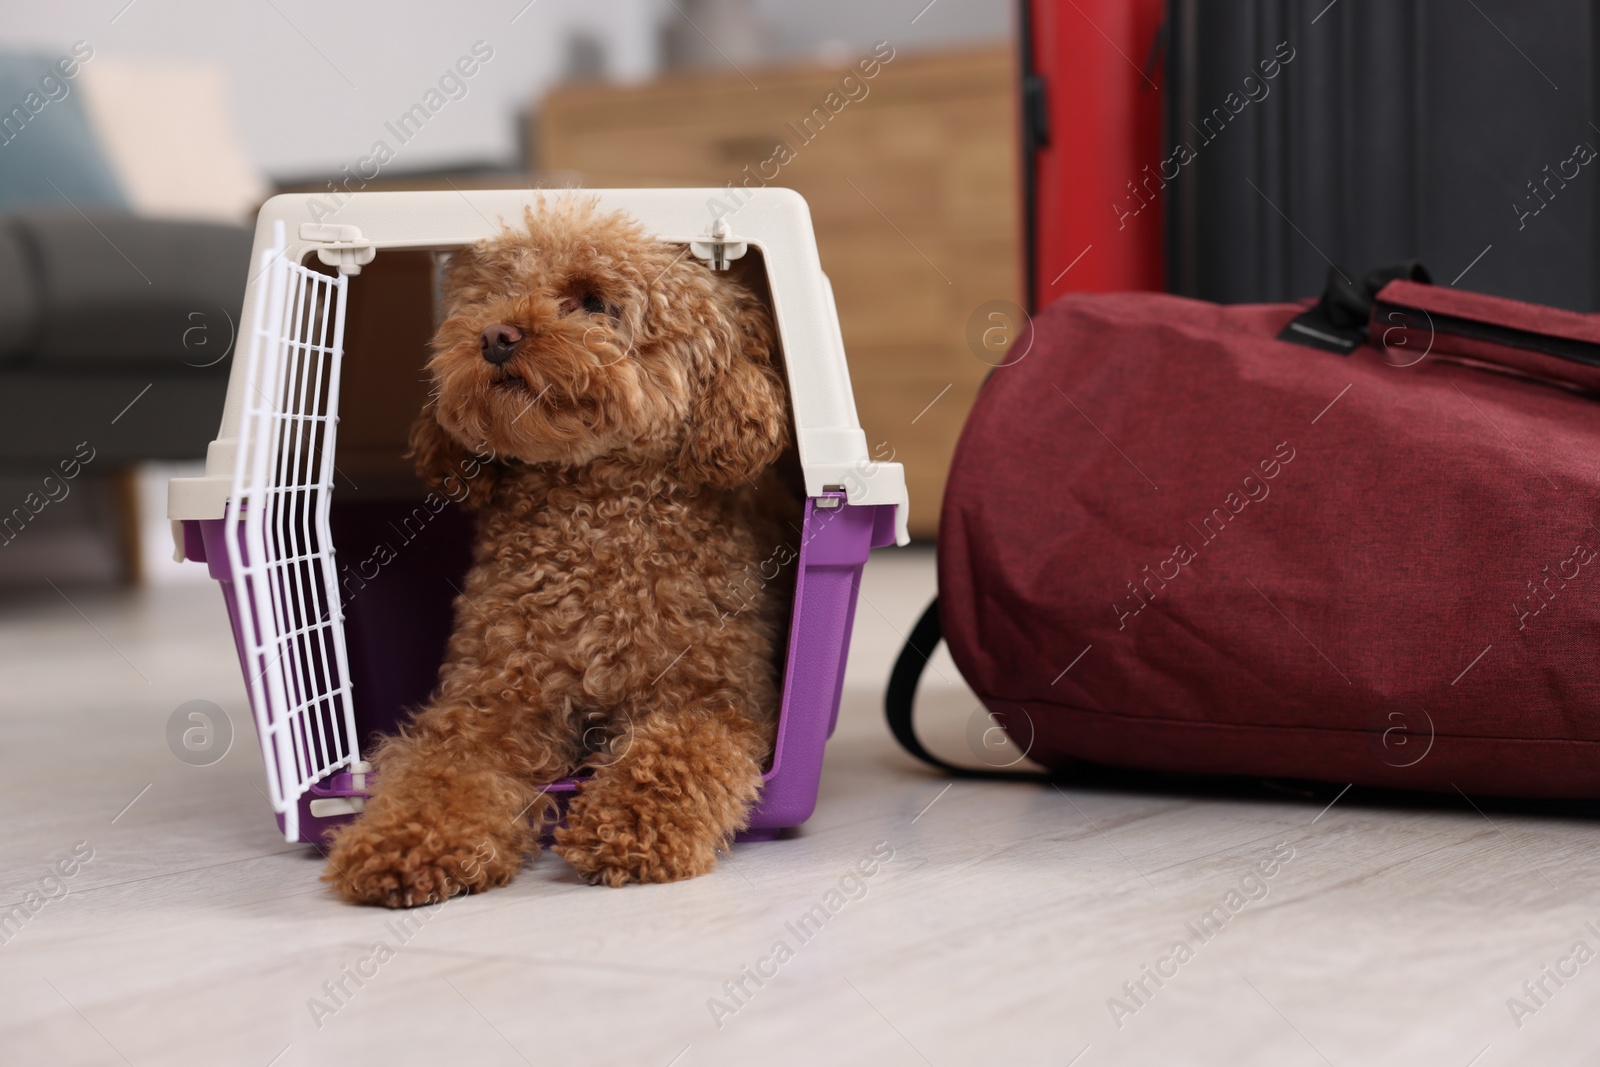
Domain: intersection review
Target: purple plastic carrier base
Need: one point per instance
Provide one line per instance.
(397, 622)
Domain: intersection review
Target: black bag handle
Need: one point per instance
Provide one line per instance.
(1344, 316)
(902, 693)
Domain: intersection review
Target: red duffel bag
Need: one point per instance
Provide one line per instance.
(1354, 542)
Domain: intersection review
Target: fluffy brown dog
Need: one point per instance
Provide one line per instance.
(609, 622)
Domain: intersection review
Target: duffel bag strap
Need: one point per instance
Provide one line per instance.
(1338, 322)
(902, 693)
(1490, 332)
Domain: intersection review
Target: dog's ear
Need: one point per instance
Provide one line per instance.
(739, 424)
(450, 469)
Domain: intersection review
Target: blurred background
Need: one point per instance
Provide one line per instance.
(127, 189)
(1002, 153)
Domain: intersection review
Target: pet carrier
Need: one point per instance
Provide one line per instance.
(335, 647)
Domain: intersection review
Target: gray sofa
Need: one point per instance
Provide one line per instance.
(115, 330)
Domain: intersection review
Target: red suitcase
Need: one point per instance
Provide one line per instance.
(1092, 146)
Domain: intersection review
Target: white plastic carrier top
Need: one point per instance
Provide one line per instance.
(717, 223)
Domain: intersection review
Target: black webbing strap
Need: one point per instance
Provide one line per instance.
(1338, 321)
(902, 693)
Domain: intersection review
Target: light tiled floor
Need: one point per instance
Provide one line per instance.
(1005, 921)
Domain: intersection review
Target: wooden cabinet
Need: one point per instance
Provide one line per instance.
(912, 180)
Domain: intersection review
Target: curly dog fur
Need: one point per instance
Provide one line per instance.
(609, 623)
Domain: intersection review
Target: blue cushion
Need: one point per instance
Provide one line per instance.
(45, 140)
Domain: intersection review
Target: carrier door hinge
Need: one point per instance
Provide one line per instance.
(344, 794)
(339, 246)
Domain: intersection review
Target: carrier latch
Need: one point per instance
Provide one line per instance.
(719, 246)
(339, 245)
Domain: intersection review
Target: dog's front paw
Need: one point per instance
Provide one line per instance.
(640, 839)
(406, 864)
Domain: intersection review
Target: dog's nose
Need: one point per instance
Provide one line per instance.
(498, 342)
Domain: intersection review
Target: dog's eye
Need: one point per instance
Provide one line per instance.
(594, 305)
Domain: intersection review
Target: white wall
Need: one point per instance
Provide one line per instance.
(312, 82)
(803, 27)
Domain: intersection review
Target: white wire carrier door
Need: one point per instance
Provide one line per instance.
(277, 532)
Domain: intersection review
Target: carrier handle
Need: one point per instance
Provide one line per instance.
(902, 692)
